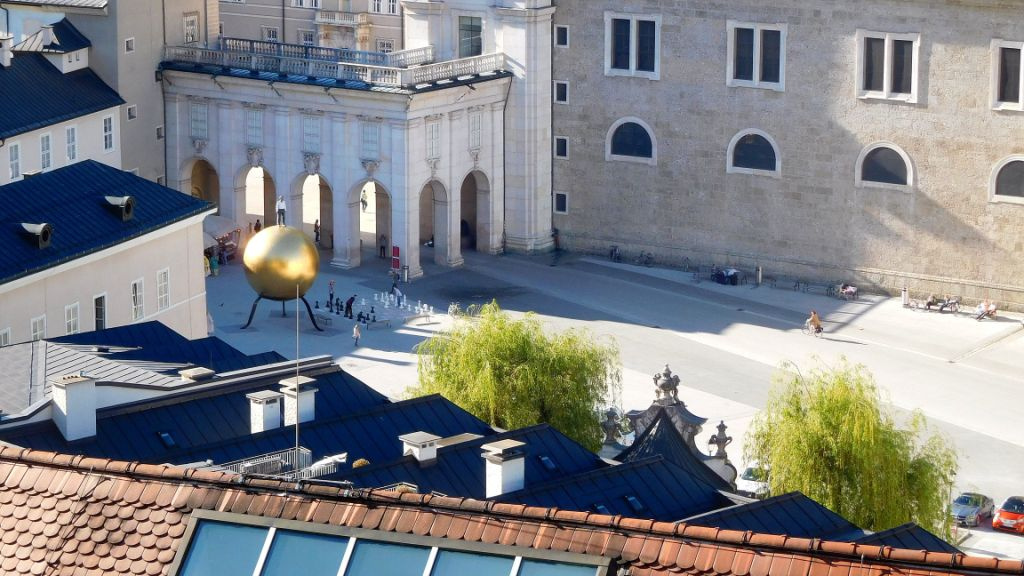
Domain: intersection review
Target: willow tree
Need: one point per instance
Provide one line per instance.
(828, 435)
(511, 373)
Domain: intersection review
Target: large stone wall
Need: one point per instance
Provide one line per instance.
(942, 234)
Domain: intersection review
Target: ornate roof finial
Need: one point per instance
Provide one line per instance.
(720, 440)
(666, 387)
(611, 426)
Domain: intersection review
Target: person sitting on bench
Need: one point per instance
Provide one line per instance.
(985, 309)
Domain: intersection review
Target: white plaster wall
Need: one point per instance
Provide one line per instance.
(90, 144)
(178, 247)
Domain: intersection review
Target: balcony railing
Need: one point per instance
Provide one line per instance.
(333, 18)
(289, 464)
(315, 64)
(402, 58)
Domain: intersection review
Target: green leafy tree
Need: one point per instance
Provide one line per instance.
(511, 373)
(828, 435)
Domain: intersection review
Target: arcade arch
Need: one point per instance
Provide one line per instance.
(317, 206)
(475, 213)
(434, 224)
(258, 193)
(200, 180)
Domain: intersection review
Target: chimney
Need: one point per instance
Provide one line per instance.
(6, 49)
(74, 406)
(301, 404)
(264, 410)
(422, 446)
(505, 465)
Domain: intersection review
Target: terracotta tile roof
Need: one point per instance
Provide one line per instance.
(73, 515)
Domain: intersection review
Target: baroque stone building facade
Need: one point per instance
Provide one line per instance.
(876, 142)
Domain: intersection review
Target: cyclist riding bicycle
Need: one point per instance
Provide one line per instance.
(814, 322)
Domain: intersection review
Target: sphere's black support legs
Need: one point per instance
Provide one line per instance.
(311, 317)
(252, 312)
(284, 313)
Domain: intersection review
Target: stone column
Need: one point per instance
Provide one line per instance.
(405, 195)
(526, 39)
(493, 121)
(223, 156)
(284, 156)
(456, 120)
(177, 137)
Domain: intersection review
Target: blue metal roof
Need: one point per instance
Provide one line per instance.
(71, 199)
(909, 536)
(644, 488)
(40, 95)
(792, 514)
(155, 343)
(459, 468)
(65, 38)
(206, 424)
(663, 438)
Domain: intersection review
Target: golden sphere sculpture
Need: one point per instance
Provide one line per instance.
(277, 259)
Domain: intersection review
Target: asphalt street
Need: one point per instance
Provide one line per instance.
(725, 343)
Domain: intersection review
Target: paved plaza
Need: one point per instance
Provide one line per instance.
(725, 342)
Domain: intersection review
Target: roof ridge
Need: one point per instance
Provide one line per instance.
(809, 546)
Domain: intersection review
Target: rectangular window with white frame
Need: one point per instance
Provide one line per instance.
(190, 23)
(561, 203)
(385, 45)
(108, 134)
(471, 40)
(163, 289)
(561, 92)
(888, 65)
(38, 327)
(45, 152)
(129, 45)
(305, 3)
(71, 318)
(307, 37)
(14, 156)
(562, 36)
(132, 112)
(5, 337)
(71, 139)
(377, 6)
(433, 128)
(254, 127)
(198, 120)
(632, 45)
(475, 126)
(371, 140)
(561, 147)
(393, 7)
(311, 134)
(138, 300)
(99, 307)
(1007, 79)
(270, 34)
(756, 56)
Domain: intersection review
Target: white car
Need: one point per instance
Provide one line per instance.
(753, 482)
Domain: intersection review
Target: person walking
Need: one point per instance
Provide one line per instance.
(383, 245)
(281, 207)
(330, 293)
(348, 306)
(356, 334)
(316, 232)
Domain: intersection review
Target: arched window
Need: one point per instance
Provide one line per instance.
(631, 139)
(753, 151)
(885, 166)
(1010, 179)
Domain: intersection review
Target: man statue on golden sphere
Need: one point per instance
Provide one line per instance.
(280, 264)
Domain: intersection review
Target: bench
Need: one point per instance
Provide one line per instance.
(377, 324)
(826, 289)
(323, 318)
